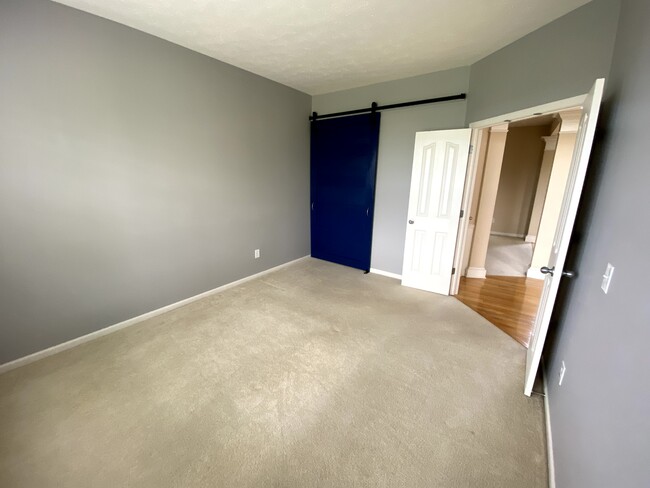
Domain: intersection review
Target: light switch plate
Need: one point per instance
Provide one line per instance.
(607, 277)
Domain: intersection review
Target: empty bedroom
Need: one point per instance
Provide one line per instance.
(231, 236)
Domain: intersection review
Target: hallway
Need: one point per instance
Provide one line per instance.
(508, 256)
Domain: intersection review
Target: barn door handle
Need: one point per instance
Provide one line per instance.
(367, 211)
(312, 206)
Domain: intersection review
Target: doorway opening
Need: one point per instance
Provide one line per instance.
(520, 180)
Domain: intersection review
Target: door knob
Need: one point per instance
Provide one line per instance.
(547, 270)
(568, 274)
(411, 222)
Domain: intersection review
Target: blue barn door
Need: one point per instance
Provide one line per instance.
(343, 173)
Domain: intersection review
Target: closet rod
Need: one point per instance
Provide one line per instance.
(374, 107)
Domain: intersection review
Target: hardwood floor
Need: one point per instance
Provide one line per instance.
(508, 302)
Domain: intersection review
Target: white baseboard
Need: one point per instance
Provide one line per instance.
(386, 273)
(549, 436)
(535, 273)
(507, 234)
(475, 273)
(530, 238)
(16, 363)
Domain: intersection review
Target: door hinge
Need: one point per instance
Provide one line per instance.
(453, 271)
(462, 212)
(471, 148)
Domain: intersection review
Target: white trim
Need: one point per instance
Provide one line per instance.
(530, 238)
(386, 273)
(476, 272)
(570, 121)
(502, 128)
(546, 108)
(506, 234)
(132, 321)
(550, 142)
(463, 226)
(549, 436)
(535, 273)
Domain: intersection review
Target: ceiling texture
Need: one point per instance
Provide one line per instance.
(320, 46)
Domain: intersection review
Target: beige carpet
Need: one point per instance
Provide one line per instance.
(314, 376)
(508, 256)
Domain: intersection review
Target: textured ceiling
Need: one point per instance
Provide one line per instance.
(319, 46)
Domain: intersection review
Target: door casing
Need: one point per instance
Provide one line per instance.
(536, 111)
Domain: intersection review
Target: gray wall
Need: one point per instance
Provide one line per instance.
(133, 173)
(396, 139)
(599, 416)
(560, 60)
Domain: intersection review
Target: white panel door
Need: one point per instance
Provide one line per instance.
(437, 180)
(579, 163)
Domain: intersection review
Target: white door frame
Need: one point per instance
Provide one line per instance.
(463, 224)
(544, 109)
